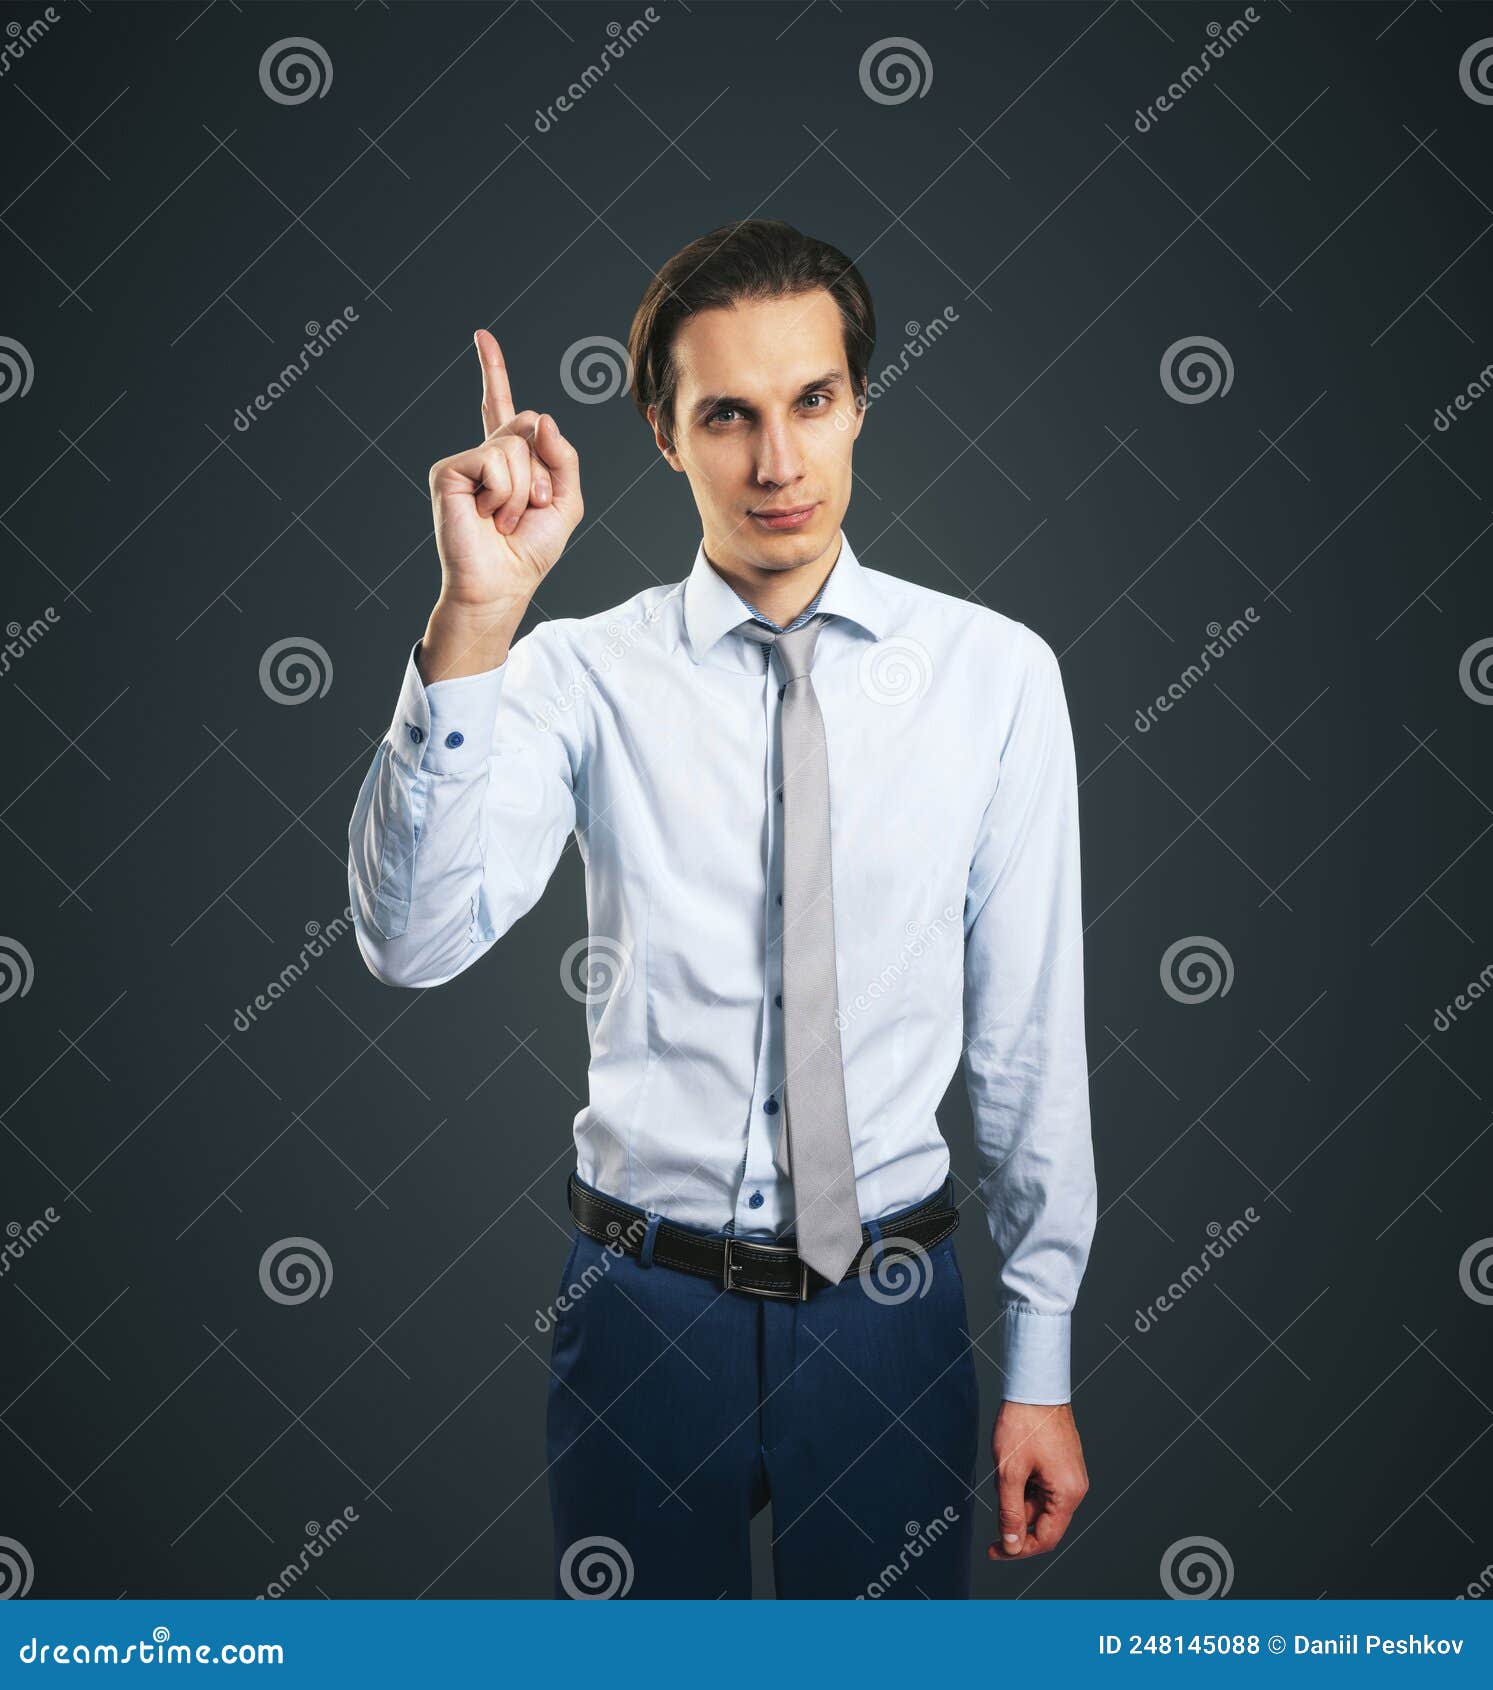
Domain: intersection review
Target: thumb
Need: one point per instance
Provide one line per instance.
(1011, 1481)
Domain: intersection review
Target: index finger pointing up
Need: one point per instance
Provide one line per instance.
(497, 401)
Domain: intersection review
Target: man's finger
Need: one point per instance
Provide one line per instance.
(497, 399)
(559, 457)
(1053, 1520)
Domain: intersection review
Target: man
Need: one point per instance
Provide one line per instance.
(826, 815)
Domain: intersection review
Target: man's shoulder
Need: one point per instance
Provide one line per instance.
(581, 640)
(922, 612)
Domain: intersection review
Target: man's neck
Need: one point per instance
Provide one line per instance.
(780, 594)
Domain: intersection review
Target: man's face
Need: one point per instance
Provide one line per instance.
(765, 422)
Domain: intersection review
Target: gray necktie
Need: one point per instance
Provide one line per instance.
(814, 1145)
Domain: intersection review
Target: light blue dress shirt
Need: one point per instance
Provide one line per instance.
(649, 731)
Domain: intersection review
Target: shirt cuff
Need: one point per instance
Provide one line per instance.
(1035, 1355)
(445, 728)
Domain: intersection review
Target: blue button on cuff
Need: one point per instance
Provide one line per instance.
(455, 738)
(770, 1107)
(416, 734)
(756, 1200)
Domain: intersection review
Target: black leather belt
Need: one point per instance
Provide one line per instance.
(742, 1264)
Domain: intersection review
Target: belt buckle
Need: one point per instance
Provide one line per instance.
(729, 1269)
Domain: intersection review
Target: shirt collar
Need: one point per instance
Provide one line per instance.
(712, 607)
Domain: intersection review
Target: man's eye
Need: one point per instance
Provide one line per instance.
(725, 411)
(824, 396)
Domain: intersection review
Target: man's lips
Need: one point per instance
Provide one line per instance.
(789, 516)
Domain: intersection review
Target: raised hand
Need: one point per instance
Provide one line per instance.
(504, 510)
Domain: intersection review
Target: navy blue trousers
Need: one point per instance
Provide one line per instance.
(677, 1411)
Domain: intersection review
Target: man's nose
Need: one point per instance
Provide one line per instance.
(778, 459)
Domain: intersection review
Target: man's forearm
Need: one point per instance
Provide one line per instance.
(463, 639)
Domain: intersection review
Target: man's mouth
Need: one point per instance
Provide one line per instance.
(786, 517)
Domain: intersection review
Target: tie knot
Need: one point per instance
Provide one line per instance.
(794, 649)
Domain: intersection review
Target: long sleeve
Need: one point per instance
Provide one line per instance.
(465, 809)
(1025, 1064)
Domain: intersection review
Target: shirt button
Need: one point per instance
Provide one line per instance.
(416, 734)
(756, 1200)
(455, 738)
(778, 999)
(780, 897)
(780, 795)
(770, 1107)
(781, 691)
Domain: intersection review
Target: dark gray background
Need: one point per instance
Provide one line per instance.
(1318, 806)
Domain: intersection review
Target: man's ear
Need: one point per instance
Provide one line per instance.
(863, 402)
(661, 441)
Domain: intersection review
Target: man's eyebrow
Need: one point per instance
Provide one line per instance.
(831, 378)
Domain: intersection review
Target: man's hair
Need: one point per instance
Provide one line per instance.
(758, 259)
